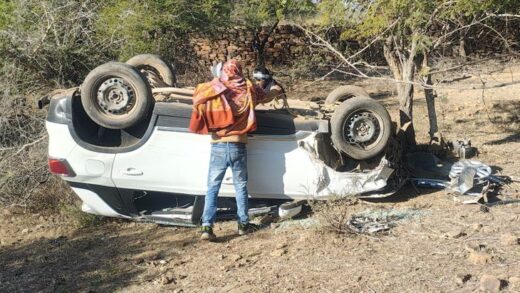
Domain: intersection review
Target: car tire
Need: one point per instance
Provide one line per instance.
(360, 128)
(152, 66)
(345, 92)
(116, 95)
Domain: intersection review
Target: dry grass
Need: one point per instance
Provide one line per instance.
(334, 214)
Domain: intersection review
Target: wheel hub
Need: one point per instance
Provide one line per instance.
(114, 96)
(361, 128)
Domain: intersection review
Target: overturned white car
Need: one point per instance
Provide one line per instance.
(127, 154)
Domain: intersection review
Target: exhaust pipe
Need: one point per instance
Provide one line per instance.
(43, 101)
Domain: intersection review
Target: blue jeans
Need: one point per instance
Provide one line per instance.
(224, 155)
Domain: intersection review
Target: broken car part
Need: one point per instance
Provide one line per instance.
(290, 209)
(462, 148)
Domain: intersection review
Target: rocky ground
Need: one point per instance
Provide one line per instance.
(439, 245)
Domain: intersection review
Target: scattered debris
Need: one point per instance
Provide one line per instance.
(370, 222)
(470, 180)
(290, 209)
(467, 174)
(430, 183)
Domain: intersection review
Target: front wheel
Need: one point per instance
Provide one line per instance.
(360, 128)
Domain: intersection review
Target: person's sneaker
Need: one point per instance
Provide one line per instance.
(244, 229)
(207, 233)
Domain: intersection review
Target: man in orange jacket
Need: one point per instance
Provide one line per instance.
(225, 107)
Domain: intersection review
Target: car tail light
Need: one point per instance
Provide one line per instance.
(60, 167)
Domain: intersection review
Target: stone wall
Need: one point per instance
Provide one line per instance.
(286, 45)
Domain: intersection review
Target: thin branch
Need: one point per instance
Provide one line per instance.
(504, 15)
(377, 38)
(445, 36)
(30, 144)
(331, 48)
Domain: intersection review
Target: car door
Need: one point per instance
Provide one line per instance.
(171, 161)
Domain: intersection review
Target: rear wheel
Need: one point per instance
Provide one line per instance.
(157, 71)
(345, 92)
(360, 128)
(116, 95)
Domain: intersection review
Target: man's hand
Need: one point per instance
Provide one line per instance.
(276, 92)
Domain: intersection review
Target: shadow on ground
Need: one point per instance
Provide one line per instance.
(82, 260)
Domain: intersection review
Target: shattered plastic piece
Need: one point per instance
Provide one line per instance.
(483, 171)
(370, 222)
(470, 175)
(464, 181)
(367, 225)
(467, 174)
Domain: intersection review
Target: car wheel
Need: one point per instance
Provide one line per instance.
(156, 70)
(360, 128)
(116, 95)
(345, 92)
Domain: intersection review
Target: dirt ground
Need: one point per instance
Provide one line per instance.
(444, 247)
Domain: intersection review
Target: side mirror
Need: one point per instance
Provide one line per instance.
(216, 70)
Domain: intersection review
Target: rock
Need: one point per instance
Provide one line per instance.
(509, 239)
(476, 227)
(236, 257)
(278, 252)
(479, 257)
(167, 279)
(461, 279)
(25, 231)
(489, 283)
(139, 261)
(281, 245)
(456, 233)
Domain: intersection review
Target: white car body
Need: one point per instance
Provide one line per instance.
(168, 162)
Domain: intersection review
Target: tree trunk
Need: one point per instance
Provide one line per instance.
(430, 96)
(259, 45)
(403, 69)
(462, 44)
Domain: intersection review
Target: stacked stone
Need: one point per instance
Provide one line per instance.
(287, 45)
